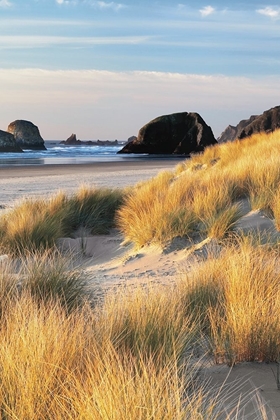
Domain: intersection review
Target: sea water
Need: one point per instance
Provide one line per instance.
(57, 153)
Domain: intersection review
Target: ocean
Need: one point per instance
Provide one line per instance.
(57, 153)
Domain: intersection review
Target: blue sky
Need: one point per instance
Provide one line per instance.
(102, 69)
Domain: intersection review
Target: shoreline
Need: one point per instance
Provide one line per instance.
(31, 181)
(27, 170)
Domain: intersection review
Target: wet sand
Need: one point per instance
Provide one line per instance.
(17, 182)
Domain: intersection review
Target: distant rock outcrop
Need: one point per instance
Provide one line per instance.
(8, 143)
(266, 122)
(180, 133)
(26, 135)
(72, 141)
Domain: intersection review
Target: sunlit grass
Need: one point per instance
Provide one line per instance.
(129, 358)
(237, 294)
(35, 225)
(204, 193)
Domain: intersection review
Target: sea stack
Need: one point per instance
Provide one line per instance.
(26, 135)
(8, 143)
(181, 133)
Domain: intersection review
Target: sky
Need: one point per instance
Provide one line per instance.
(103, 69)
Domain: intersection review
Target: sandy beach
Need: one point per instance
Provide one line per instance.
(17, 182)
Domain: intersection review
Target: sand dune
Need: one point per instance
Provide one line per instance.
(109, 263)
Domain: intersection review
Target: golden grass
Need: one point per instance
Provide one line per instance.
(275, 207)
(202, 196)
(37, 224)
(237, 294)
(127, 359)
(155, 212)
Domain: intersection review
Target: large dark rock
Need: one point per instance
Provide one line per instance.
(266, 122)
(233, 132)
(27, 135)
(8, 143)
(130, 139)
(181, 133)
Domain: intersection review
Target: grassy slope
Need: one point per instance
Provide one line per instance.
(202, 196)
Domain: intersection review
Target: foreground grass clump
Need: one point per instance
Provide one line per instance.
(129, 357)
(50, 277)
(237, 295)
(37, 224)
(56, 364)
(203, 197)
(45, 277)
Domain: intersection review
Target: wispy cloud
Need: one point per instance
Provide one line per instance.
(5, 3)
(14, 41)
(102, 5)
(112, 5)
(206, 11)
(130, 98)
(272, 12)
(67, 2)
(61, 1)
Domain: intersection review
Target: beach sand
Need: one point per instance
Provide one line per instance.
(109, 264)
(17, 182)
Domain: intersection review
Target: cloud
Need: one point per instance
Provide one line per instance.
(28, 41)
(5, 3)
(103, 5)
(270, 12)
(112, 5)
(207, 10)
(127, 99)
(66, 2)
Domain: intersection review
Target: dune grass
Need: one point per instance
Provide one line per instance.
(204, 193)
(237, 295)
(127, 358)
(35, 225)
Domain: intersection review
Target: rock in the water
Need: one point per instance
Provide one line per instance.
(27, 135)
(72, 141)
(266, 122)
(180, 133)
(8, 143)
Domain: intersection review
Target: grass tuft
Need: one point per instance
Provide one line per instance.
(35, 225)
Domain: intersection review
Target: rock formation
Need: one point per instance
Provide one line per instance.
(26, 135)
(233, 132)
(266, 122)
(130, 139)
(72, 141)
(180, 133)
(8, 142)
